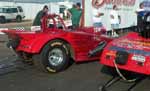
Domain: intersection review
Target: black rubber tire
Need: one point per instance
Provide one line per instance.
(18, 18)
(2, 20)
(44, 63)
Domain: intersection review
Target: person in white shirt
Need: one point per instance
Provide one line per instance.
(97, 16)
(114, 20)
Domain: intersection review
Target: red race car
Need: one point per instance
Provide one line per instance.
(55, 44)
(130, 52)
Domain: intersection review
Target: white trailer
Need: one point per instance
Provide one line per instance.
(126, 10)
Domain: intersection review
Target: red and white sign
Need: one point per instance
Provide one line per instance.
(114, 2)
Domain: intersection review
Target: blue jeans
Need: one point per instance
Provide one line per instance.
(98, 24)
(114, 26)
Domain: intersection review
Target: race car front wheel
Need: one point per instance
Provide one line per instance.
(54, 56)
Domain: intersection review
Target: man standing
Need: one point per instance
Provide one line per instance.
(97, 16)
(114, 20)
(140, 14)
(75, 12)
(40, 15)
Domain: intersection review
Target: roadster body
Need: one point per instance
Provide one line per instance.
(55, 43)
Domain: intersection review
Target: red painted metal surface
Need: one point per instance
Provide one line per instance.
(81, 40)
(138, 49)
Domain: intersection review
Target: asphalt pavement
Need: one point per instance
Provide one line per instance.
(78, 77)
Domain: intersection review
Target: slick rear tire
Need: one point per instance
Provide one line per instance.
(24, 59)
(54, 57)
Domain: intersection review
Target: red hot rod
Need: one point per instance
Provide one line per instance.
(55, 43)
(130, 52)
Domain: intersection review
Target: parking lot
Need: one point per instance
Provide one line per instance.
(78, 77)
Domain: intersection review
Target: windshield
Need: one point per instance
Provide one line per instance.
(3, 10)
(55, 22)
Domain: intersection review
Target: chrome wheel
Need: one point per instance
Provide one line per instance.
(55, 57)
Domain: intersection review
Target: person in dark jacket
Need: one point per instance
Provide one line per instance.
(140, 14)
(40, 15)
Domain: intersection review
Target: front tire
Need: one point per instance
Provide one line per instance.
(19, 19)
(54, 57)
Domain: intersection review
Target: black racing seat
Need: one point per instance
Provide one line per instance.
(51, 26)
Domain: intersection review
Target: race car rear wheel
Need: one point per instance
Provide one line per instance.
(54, 57)
(25, 58)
